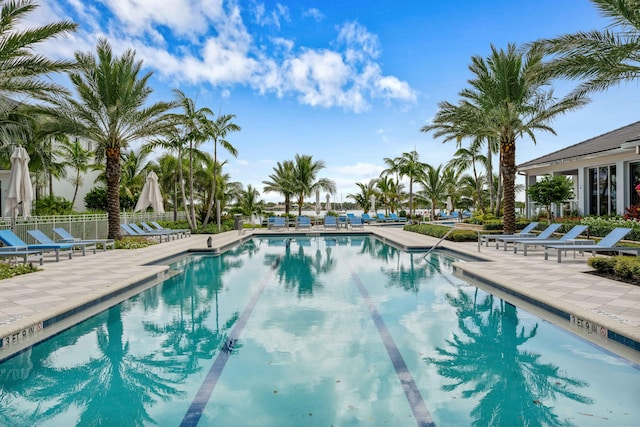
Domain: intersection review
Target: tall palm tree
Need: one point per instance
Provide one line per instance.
(393, 168)
(249, 202)
(282, 182)
(602, 58)
(387, 192)
(169, 171)
(111, 111)
(467, 158)
(21, 68)
(411, 167)
(218, 131)
(192, 128)
(434, 187)
(507, 100)
(305, 179)
(77, 158)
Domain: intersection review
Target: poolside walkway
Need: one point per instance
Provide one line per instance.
(29, 302)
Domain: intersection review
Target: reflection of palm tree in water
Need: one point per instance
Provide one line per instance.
(513, 385)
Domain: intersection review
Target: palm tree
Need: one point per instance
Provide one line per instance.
(434, 187)
(506, 101)
(305, 171)
(248, 201)
(191, 132)
(169, 171)
(411, 167)
(467, 158)
(603, 58)
(21, 68)
(387, 192)
(110, 111)
(366, 191)
(218, 130)
(282, 182)
(393, 168)
(79, 159)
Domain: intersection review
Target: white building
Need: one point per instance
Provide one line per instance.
(605, 171)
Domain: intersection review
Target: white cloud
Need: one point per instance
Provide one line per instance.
(314, 13)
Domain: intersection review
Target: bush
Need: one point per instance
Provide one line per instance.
(604, 265)
(9, 270)
(457, 235)
(134, 242)
(96, 200)
(625, 268)
(53, 205)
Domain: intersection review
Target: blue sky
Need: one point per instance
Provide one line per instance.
(348, 82)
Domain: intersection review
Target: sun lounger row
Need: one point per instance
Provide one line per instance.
(145, 230)
(568, 242)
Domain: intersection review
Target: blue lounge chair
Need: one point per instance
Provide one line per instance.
(10, 239)
(46, 240)
(525, 232)
(66, 237)
(607, 244)
(395, 217)
(343, 221)
(303, 222)
(134, 233)
(279, 223)
(544, 235)
(568, 238)
(330, 221)
(381, 217)
(185, 231)
(176, 233)
(142, 232)
(366, 218)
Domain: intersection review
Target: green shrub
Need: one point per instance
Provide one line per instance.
(604, 265)
(134, 243)
(438, 231)
(9, 270)
(53, 205)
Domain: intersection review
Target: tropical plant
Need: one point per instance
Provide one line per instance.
(249, 202)
(77, 158)
(410, 166)
(601, 58)
(507, 100)
(550, 190)
(111, 111)
(467, 158)
(305, 181)
(218, 130)
(363, 197)
(282, 182)
(434, 187)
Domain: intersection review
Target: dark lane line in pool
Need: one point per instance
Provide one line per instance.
(192, 417)
(419, 408)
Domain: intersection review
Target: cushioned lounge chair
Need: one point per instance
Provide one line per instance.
(544, 234)
(185, 231)
(366, 218)
(525, 232)
(570, 237)
(66, 237)
(382, 218)
(132, 232)
(330, 221)
(10, 239)
(395, 217)
(357, 222)
(303, 222)
(279, 223)
(46, 240)
(607, 244)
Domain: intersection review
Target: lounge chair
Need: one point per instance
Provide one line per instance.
(185, 231)
(148, 228)
(366, 218)
(525, 232)
(66, 237)
(343, 221)
(140, 231)
(330, 221)
(357, 222)
(134, 233)
(568, 238)
(381, 217)
(607, 244)
(15, 252)
(10, 239)
(466, 214)
(279, 223)
(303, 222)
(544, 235)
(46, 240)
(395, 217)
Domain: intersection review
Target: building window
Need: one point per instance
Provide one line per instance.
(602, 190)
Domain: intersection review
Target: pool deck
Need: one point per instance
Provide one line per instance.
(29, 303)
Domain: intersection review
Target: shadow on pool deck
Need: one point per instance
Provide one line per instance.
(31, 301)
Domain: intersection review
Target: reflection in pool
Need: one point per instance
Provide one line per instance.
(294, 331)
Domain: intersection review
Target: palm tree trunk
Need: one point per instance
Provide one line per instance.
(192, 207)
(112, 173)
(508, 169)
(75, 191)
(213, 193)
(182, 190)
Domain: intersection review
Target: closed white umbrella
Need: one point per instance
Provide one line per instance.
(372, 202)
(318, 206)
(150, 195)
(328, 205)
(449, 204)
(20, 189)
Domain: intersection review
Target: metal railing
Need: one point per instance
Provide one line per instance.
(86, 226)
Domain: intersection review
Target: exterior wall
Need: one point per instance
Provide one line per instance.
(579, 168)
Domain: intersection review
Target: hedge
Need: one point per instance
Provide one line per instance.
(625, 267)
(457, 235)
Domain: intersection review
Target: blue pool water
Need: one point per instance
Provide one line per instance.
(313, 331)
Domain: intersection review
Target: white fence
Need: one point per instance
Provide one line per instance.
(89, 226)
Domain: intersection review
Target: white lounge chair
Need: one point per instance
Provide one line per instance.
(544, 235)
(607, 244)
(525, 232)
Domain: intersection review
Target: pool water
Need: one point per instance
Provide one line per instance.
(315, 331)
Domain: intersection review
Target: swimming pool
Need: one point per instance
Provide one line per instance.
(341, 331)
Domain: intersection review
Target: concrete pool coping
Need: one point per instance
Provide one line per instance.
(69, 291)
